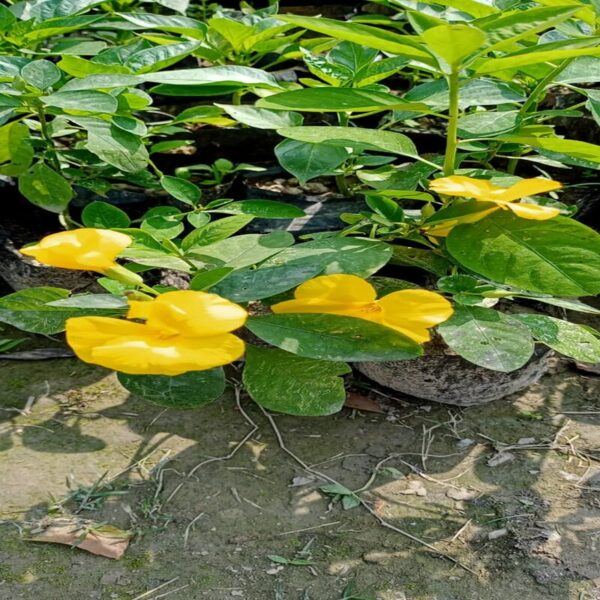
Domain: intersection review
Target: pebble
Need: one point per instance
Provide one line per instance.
(497, 533)
(500, 459)
(465, 443)
(415, 488)
(526, 441)
(460, 493)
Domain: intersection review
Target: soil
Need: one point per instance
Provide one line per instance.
(525, 521)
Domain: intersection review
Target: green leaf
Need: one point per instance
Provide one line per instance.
(81, 67)
(306, 161)
(83, 100)
(486, 124)
(560, 257)
(29, 310)
(572, 148)
(282, 382)
(190, 390)
(104, 216)
(243, 250)
(45, 188)
(221, 76)
(569, 339)
(102, 82)
(207, 279)
(41, 74)
(160, 57)
(169, 23)
(487, 338)
(16, 153)
(453, 43)
(330, 99)
(262, 209)
(108, 301)
(163, 222)
(355, 137)
(406, 256)
(333, 337)
(181, 189)
(364, 35)
(262, 118)
(215, 231)
(117, 147)
(532, 57)
(357, 256)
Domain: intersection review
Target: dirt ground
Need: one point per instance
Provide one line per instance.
(514, 522)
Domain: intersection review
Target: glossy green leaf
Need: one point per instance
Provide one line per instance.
(190, 390)
(16, 153)
(163, 222)
(242, 251)
(365, 35)
(487, 124)
(573, 148)
(333, 337)
(160, 57)
(262, 209)
(560, 257)
(453, 43)
(181, 189)
(29, 310)
(83, 100)
(306, 161)
(41, 74)
(407, 256)
(569, 339)
(245, 285)
(487, 338)
(117, 147)
(215, 231)
(204, 280)
(330, 99)
(357, 138)
(262, 118)
(294, 385)
(104, 216)
(245, 76)
(169, 23)
(46, 188)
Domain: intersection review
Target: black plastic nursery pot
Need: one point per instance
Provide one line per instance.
(322, 210)
(439, 376)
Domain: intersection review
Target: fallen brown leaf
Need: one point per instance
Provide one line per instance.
(360, 402)
(103, 540)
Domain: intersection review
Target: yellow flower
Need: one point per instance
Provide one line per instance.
(411, 312)
(84, 249)
(503, 198)
(181, 331)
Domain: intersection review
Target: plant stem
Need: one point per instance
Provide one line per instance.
(236, 98)
(452, 135)
(540, 88)
(48, 139)
(342, 186)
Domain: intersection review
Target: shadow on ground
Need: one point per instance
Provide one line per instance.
(510, 490)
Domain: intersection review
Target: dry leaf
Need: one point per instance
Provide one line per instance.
(364, 403)
(103, 540)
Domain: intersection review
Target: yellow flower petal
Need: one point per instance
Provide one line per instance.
(463, 187)
(533, 211)
(445, 227)
(482, 190)
(332, 294)
(413, 312)
(82, 249)
(525, 188)
(136, 349)
(193, 314)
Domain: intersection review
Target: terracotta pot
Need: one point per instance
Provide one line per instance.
(450, 379)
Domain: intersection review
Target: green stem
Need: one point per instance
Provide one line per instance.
(452, 135)
(48, 139)
(342, 186)
(236, 98)
(540, 88)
